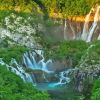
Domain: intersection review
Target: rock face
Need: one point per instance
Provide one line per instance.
(88, 68)
(19, 30)
(61, 64)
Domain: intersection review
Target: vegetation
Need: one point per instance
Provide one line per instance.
(96, 90)
(69, 7)
(77, 50)
(69, 49)
(18, 5)
(13, 88)
(12, 52)
(66, 7)
(74, 50)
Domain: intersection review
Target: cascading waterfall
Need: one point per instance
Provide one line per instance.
(17, 70)
(85, 31)
(86, 27)
(30, 61)
(94, 25)
(27, 76)
(63, 77)
(65, 26)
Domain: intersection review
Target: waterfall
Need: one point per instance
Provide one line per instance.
(98, 37)
(94, 25)
(73, 31)
(86, 27)
(25, 75)
(29, 61)
(43, 66)
(64, 79)
(33, 59)
(65, 26)
(17, 70)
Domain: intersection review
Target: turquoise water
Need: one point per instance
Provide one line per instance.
(49, 86)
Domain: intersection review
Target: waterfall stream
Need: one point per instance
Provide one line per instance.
(17, 70)
(94, 25)
(86, 27)
(39, 73)
(87, 33)
(86, 30)
(30, 61)
(65, 30)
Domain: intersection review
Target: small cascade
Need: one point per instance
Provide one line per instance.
(29, 60)
(15, 68)
(63, 78)
(65, 30)
(27, 77)
(86, 27)
(76, 28)
(33, 59)
(94, 25)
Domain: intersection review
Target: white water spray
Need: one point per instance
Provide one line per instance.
(65, 27)
(30, 61)
(94, 25)
(86, 27)
(17, 70)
